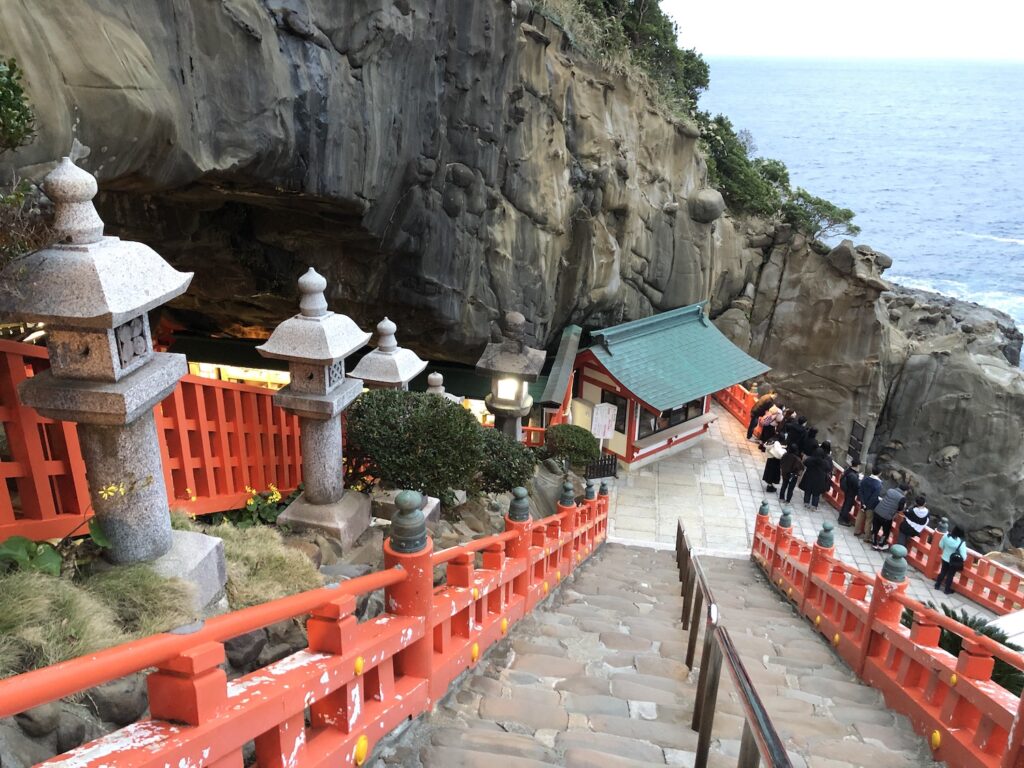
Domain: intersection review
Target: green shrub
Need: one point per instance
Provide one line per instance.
(507, 463)
(568, 441)
(413, 440)
(1003, 674)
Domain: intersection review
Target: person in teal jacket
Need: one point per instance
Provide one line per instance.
(956, 541)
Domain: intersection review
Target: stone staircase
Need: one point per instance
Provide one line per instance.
(595, 678)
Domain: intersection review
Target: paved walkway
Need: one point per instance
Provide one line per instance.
(716, 488)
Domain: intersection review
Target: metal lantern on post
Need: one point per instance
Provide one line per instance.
(511, 366)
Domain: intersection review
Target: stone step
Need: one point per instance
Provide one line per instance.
(595, 677)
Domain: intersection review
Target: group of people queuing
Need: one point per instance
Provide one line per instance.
(795, 459)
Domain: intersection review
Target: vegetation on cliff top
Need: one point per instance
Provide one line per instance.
(638, 38)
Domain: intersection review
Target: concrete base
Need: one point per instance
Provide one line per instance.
(343, 520)
(198, 559)
(384, 506)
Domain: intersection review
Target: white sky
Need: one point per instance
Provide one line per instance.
(978, 29)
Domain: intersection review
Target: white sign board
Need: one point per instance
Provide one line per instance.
(602, 426)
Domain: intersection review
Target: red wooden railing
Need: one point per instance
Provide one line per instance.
(356, 681)
(218, 438)
(533, 437)
(968, 719)
(990, 584)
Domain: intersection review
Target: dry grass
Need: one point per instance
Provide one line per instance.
(261, 567)
(143, 602)
(44, 619)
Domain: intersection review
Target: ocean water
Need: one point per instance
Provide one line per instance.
(929, 154)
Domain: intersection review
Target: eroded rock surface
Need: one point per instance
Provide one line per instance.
(443, 163)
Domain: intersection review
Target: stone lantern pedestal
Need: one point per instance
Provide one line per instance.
(315, 343)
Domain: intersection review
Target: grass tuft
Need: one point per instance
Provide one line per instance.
(261, 567)
(45, 619)
(143, 601)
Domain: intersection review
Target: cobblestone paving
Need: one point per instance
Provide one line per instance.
(594, 678)
(716, 488)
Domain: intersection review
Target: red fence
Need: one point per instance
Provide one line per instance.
(218, 439)
(968, 719)
(988, 583)
(355, 682)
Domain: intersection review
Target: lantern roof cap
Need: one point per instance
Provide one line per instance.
(315, 335)
(86, 280)
(389, 364)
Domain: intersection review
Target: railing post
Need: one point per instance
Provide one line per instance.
(603, 499)
(822, 554)
(519, 520)
(705, 665)
(783, 534)
(1015, 742)
(691, 640)
(410, 547)
(190, 688)
(749, 756)
(709, 701)
(890, 581)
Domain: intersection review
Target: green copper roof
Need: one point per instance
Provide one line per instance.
(674, 357)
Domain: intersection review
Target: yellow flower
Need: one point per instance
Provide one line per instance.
(272, 487)
(250, 490)
(121, 489)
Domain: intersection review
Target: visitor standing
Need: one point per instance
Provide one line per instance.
(869, 494)
(914, 521)
(892, 501)
(817, 470)
(790, 467)
(761, 406)
(809, 442)
(954, 555)
(770, 424)
(772, 474)
(849, 485)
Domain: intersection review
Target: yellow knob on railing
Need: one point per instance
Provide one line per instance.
(546, 588)
(504, 626)
(835, 639)
(817, 620)
(474, 652)
(952, 679)
(362, 747)
(359, 665)
(475, 593)
(789, 592)
(935, 740)
(558, 575)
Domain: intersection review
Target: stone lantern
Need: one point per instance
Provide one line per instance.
(315, 343)
(93, 293)
(389, 366)
(511, 365)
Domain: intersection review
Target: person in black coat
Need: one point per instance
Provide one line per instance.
(790, 467)
(817, 471)
(772, 467)
(794, 431)
(849, 485)
(809, 442)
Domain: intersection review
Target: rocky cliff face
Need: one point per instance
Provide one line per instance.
(445, 161)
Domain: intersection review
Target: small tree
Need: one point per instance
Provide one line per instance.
(568, 441)
(413, 440)
(507, 463)
(817, 217)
